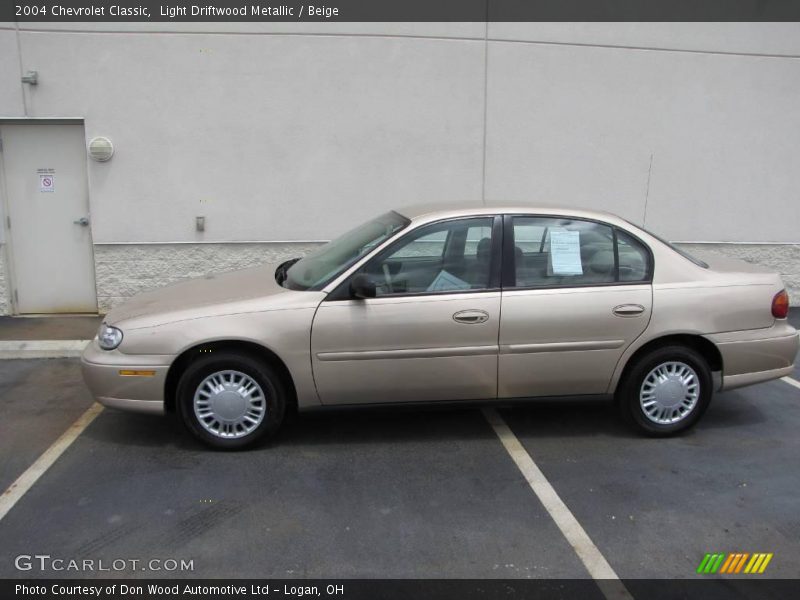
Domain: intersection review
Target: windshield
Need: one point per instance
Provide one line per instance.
(317, 268)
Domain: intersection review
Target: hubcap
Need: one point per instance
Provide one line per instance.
(669, 392)
(229, 404)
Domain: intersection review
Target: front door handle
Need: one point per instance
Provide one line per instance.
(83, 221)
(628, 310)
(470, 317)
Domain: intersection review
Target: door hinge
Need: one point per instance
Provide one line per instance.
(16, 297)
(1, 144)
(8, 222)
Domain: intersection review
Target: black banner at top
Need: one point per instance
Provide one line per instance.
(32, 11)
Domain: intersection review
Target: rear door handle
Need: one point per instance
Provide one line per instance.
(628, 310)
(471, 316)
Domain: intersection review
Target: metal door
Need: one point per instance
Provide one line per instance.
(48, 232)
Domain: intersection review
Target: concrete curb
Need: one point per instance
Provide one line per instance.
(18, 349)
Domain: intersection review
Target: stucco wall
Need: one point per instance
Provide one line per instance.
(784, 259)
(125, 270)
(5, 305)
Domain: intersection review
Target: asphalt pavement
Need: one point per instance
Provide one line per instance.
(397, 494)
(407, 494)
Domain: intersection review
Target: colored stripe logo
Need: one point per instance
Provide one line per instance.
(734, 563)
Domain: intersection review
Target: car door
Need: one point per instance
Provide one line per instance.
(576, 294)
(430, 332)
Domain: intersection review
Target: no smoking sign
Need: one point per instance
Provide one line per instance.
(47, 183)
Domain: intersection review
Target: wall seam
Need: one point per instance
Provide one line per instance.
(419, 37)
(485, 101)
(651, 49)
(21, 69)
(647, 191)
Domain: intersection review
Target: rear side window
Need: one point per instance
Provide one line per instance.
(556, 252)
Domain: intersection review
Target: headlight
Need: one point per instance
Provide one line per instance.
(108, 337)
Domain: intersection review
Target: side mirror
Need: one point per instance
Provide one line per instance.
(362, 287)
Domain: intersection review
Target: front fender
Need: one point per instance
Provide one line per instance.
(286, 333)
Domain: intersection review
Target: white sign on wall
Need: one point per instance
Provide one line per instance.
(47, 180)
(47, 183)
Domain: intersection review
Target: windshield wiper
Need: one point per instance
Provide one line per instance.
(280, 272)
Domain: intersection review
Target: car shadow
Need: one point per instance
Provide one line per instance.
(364, 426)
(565, 418)
(732, 409)
(134, 429)
(369, 425)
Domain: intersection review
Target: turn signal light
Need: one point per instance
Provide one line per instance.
(136, 373)
(780, 305)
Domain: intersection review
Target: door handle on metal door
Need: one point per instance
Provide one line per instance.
(83, 221)
(628, 310)
(471, 316)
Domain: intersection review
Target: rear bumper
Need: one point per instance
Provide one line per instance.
(754, 356)
(103, 372)
(736, 381)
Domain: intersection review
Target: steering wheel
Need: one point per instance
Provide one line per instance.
(387, 276)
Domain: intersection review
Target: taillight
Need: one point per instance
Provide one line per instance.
(780, 305)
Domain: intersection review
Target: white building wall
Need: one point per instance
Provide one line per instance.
(282, 134)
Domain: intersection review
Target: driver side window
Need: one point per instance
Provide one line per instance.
(441, 257)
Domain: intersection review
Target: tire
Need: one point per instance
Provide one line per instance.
(666, 391)
(230, 399)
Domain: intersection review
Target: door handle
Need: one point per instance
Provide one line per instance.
(83, 221)
(470, 317)
(628, 310)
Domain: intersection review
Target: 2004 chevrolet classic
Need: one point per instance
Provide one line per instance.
(436, 304)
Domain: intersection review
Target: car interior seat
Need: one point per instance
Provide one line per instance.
(478, 273)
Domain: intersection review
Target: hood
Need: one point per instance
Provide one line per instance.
(222, 293)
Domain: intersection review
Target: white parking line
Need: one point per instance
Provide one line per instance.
(605, 577)
(25, 481)
(791, 381)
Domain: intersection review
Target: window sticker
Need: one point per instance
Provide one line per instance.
(565, 253)
(447, 281)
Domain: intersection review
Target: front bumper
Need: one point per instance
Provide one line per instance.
(757, 355)
(105, 375)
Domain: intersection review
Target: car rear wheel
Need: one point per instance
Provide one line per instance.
(230, 400)
(666, 391)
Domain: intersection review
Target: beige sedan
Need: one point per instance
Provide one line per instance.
(449, 304)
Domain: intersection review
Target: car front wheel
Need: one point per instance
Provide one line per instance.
(230, 399)
(666, 391)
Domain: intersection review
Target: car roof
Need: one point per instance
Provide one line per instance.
(455, 209)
